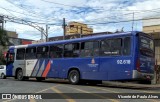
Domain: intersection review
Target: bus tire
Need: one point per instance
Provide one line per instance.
(40, 78)
(20, 76)
(74, 77)
(3, 76)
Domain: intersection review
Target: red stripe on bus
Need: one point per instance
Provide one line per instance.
(46, 69)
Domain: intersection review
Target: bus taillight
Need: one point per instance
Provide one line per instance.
(138, 65)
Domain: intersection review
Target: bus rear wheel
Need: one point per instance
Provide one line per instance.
(74, 77)
(20, 75)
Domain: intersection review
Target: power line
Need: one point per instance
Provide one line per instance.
(153, 10)
(123, 21)
(61, 4)
(36, 15)
(8, 10)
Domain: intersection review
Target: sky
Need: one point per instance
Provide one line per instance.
(101, 15)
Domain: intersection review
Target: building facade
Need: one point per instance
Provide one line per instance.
(78, 28)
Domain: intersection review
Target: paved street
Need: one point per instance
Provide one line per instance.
(10, 85)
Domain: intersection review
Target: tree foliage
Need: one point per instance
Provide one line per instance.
(2, 59)
(4, 40)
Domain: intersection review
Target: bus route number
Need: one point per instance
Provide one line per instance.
(123, 61)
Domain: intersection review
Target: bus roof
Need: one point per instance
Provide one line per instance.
(78, 39)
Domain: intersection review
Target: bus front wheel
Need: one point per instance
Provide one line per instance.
(74, 77)
(3, 76)
(20, 75)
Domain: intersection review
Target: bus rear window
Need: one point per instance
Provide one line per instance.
(146, 43)
(146, 46)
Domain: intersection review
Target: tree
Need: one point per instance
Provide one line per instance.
(4, 41)
(3, 38)
(2, 59)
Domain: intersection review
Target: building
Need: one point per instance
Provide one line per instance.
(12, 34)
(152, 27)
(78, 28)
(73, 36)
(14, 40)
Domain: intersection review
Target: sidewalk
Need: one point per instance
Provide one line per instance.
(129, 85)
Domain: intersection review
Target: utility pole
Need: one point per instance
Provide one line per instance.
(133, 22)
(2, 22)
(64, 28)
(81, 32)
(42, 33)
(47, 32)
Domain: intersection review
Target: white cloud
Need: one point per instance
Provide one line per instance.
(92, 11)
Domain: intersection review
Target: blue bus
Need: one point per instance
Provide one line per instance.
(119, 56)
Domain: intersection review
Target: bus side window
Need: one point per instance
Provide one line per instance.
(89, 49)
(111, 47)
(127, 46)
(96, 48)
(116, 46)
(20, 54)
(71, 50)
(56, 51)
(105, 48)
(42, 52)
(68, 50)
(76, 49)
(30, 53)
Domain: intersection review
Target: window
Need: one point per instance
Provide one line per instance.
(111, 47)
(20, 54)
(127, 46)
(1, 67)
(89, 49)
(71, 50)
(42, 52)
(56, 51)
(31, 53)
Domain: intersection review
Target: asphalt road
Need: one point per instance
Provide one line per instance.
(60, 88)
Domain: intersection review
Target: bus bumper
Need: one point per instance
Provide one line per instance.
(143, 76)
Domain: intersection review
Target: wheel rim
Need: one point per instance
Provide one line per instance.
(74, 77)
(20, 75)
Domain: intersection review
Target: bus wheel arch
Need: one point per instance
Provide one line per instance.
(74, 76)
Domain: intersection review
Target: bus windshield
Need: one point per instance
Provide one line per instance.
(146, 46)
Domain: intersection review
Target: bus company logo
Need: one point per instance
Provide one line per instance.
(29, 62)
(93, 63)
(6, 96)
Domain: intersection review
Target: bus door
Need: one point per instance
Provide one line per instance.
(20, 60)
(9, 63)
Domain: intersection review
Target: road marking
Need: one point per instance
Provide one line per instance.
(47, 88)
(113, 100)
(107, 90)
(33, 100)
(63, 95)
